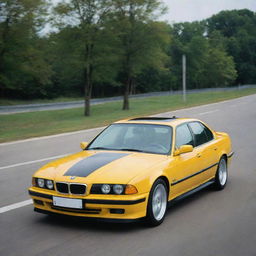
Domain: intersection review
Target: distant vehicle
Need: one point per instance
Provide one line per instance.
(133, 169)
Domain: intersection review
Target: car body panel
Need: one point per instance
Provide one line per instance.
(119, 171)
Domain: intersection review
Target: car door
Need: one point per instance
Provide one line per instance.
(184, 166)
(206, 148)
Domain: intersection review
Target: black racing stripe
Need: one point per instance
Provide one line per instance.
(88, 165)
(194, 174)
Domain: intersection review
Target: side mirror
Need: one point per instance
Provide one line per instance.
(183, 149)
(83, 145)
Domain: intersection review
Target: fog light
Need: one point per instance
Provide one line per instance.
(40, 183)
(105, 189)
(116, 211)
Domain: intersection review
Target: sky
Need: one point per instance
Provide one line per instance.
(192, 10)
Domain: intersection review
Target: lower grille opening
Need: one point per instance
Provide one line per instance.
(38, 202)
(87, 211)
(117, 211)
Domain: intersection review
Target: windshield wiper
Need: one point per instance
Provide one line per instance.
(103, 148)
(117, 149)
(131, 149)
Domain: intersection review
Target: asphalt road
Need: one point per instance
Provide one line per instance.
(209, 223)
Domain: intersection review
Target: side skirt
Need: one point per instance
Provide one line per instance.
(191, 192)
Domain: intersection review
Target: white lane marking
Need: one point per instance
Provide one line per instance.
(15, 206)
(208, 112)
(32, 162)
(239, 104)
(52, 136)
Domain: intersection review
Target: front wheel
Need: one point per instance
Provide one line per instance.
(221, 176)
(157, 203)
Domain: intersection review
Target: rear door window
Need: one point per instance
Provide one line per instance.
(208, 133)
(201, 133)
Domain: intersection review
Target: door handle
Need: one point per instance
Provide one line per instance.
(198, 155)
(215, 149)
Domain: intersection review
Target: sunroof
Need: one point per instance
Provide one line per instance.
(153, 119)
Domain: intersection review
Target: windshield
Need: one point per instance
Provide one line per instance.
(148, 138)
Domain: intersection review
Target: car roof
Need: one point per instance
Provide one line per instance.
(171, 121)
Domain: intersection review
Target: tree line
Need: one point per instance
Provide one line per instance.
(99, 48)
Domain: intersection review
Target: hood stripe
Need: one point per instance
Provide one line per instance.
(88, 165)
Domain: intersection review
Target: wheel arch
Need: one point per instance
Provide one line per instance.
(225, 157)
(166, 180)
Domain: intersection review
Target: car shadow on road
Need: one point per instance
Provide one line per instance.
(179, 205)
(88, 224)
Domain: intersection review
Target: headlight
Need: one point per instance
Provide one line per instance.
(40, 183)
(49, 184)
(113, 189)
(118, 189)
(105, 189)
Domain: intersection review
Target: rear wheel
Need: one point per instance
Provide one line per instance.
(157, 203)
(221, 176)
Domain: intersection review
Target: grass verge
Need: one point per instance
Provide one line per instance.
(34, 124)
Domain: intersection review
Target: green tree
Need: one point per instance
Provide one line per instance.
(238, 29)
(139, 38)
(66, 55)
(89, 16)
(23, 69)
(208, 63)
(219, 67)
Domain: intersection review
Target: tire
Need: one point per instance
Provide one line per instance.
(221, 176)
(157, 203)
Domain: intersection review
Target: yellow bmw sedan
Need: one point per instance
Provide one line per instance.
(134, 169)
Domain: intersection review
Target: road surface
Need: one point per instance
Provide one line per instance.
(209, 223)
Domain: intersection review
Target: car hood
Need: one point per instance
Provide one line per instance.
(100, 167)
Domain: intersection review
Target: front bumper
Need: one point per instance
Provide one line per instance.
(105, 207)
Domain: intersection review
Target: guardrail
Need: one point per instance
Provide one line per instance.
(77, 104)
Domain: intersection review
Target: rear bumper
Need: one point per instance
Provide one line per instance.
(131, 208)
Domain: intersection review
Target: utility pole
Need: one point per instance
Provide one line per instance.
(184, 77)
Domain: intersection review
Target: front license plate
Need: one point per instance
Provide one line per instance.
(67, 202)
